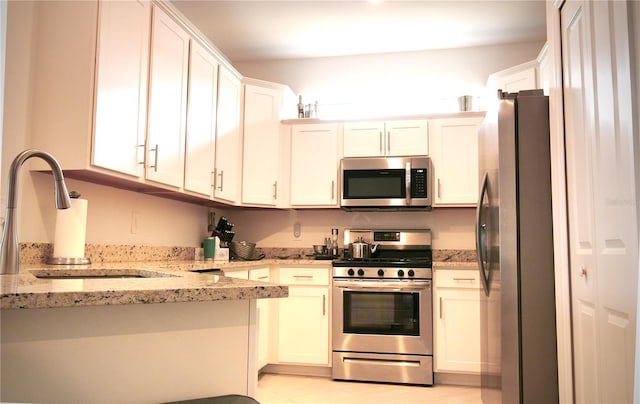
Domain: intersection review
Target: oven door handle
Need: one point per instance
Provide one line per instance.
(375, 286)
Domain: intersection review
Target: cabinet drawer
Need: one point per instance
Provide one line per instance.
(457, 278)
(304, 276)
(259, 274)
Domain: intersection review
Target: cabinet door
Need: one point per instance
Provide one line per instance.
(454, 155)
(303, 326)
(364, 139)
(314, 165)
(457, 330)
(261, 145)
(264, 313)
(522, 77)
(167, 100)
(228, 137)
(201, 121)
(407, 138)
(121, 86)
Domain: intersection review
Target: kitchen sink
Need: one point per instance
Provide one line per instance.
(125, 273)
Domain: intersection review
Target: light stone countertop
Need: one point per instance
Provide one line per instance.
(161, 282)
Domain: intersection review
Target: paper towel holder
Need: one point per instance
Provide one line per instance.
(69, 260)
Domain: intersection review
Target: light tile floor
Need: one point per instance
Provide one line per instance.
(285, 389)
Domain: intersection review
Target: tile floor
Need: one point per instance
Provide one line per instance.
(285, 389)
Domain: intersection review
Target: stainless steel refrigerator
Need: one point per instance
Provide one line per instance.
(514, 243)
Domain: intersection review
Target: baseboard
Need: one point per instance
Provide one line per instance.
(299, 370)
(458, 379)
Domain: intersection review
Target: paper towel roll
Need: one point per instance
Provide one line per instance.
(71, 226)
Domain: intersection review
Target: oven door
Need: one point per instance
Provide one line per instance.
(382, 316)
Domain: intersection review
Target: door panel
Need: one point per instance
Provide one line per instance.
(603, 234)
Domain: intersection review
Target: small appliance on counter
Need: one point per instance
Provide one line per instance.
(244, 251)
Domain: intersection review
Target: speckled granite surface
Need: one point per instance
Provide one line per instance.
(165, 276)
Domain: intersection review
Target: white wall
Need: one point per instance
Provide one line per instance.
(451, 227)
(392, 84)
(430, 75)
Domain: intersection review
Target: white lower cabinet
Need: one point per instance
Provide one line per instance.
(458, 295)
(303, 317)
(264, 312)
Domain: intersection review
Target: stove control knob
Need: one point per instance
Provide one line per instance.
(400, 273)
(351, 272)
(380, 272)
(360, 272)
(411, 273)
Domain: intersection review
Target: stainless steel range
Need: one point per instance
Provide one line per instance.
(382, 308)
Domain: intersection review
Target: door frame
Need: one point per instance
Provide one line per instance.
(559, 197)
(560, 215)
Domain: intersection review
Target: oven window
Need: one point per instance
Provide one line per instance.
(373, 184)
(383, 313)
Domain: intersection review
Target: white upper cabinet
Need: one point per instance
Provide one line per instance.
(393, 138)
(90, 101)
(314, 165)
(121, 88)
(201, 121)
(261, 145)
(167, 100)
(516, 78)
(228, 172)
(454, 156)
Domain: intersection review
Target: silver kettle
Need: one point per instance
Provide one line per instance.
(360, 249)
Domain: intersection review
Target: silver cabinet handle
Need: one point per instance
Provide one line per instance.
(583, 272)
(155, 161)
(439, 188)
(220, 176)
(464, 279)
(381, 144)
(138, 147)
(302, 276)
(440, 308)
(333, 190)
(275, 190)
(213, 179)
(324, 303)
(388, 142)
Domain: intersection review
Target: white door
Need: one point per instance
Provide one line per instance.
(260, 152)
(364, 139)
(603, 234)
(228, 137)
(201, 121)
(454, 155)
(303, 326)
(120, 122)
(314, 165)
(167, 100)
(407, 138)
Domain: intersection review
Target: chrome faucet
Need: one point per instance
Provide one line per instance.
(10, 249)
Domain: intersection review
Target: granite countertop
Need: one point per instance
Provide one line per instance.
(161, 282)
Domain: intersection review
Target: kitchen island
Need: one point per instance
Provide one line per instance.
(128, 332)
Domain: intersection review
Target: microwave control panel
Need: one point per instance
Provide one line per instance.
(418, 182)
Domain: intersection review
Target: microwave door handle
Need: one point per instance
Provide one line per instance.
(408, 183)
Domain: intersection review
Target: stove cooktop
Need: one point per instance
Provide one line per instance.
(421, 262)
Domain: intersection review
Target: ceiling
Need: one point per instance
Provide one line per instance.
(259, 30)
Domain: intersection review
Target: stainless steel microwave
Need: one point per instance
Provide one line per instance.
(382, 183)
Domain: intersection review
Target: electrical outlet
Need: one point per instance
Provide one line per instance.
(297, 231)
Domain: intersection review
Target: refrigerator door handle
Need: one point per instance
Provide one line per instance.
(481, 237)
